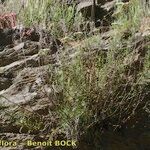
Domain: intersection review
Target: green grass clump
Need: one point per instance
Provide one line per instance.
(53, 15)
(95, 85)
(106, 86)
(127, 21)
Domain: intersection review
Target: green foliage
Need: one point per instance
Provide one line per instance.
(51, 14)
(32, 123)
(127, 20)
(35, 12)
(105, 86)
(95, 86)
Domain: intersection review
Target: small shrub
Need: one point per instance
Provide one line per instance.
(97, 88)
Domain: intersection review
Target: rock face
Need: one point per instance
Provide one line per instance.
(98, 11)
(25, 57)
(102, 10)
(6, 37)
(30, 50)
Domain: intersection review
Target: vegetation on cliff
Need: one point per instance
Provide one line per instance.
(101, 78)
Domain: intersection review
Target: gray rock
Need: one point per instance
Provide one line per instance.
(98, 11)
(6, 37)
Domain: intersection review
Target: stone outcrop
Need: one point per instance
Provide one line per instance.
(27, 58)
(30, 50)
(100, 13)
(24, 82)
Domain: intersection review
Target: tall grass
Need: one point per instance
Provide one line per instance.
(96, 86)
(128, 17)
(53, 15)
(35, 12)
(105, 86)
